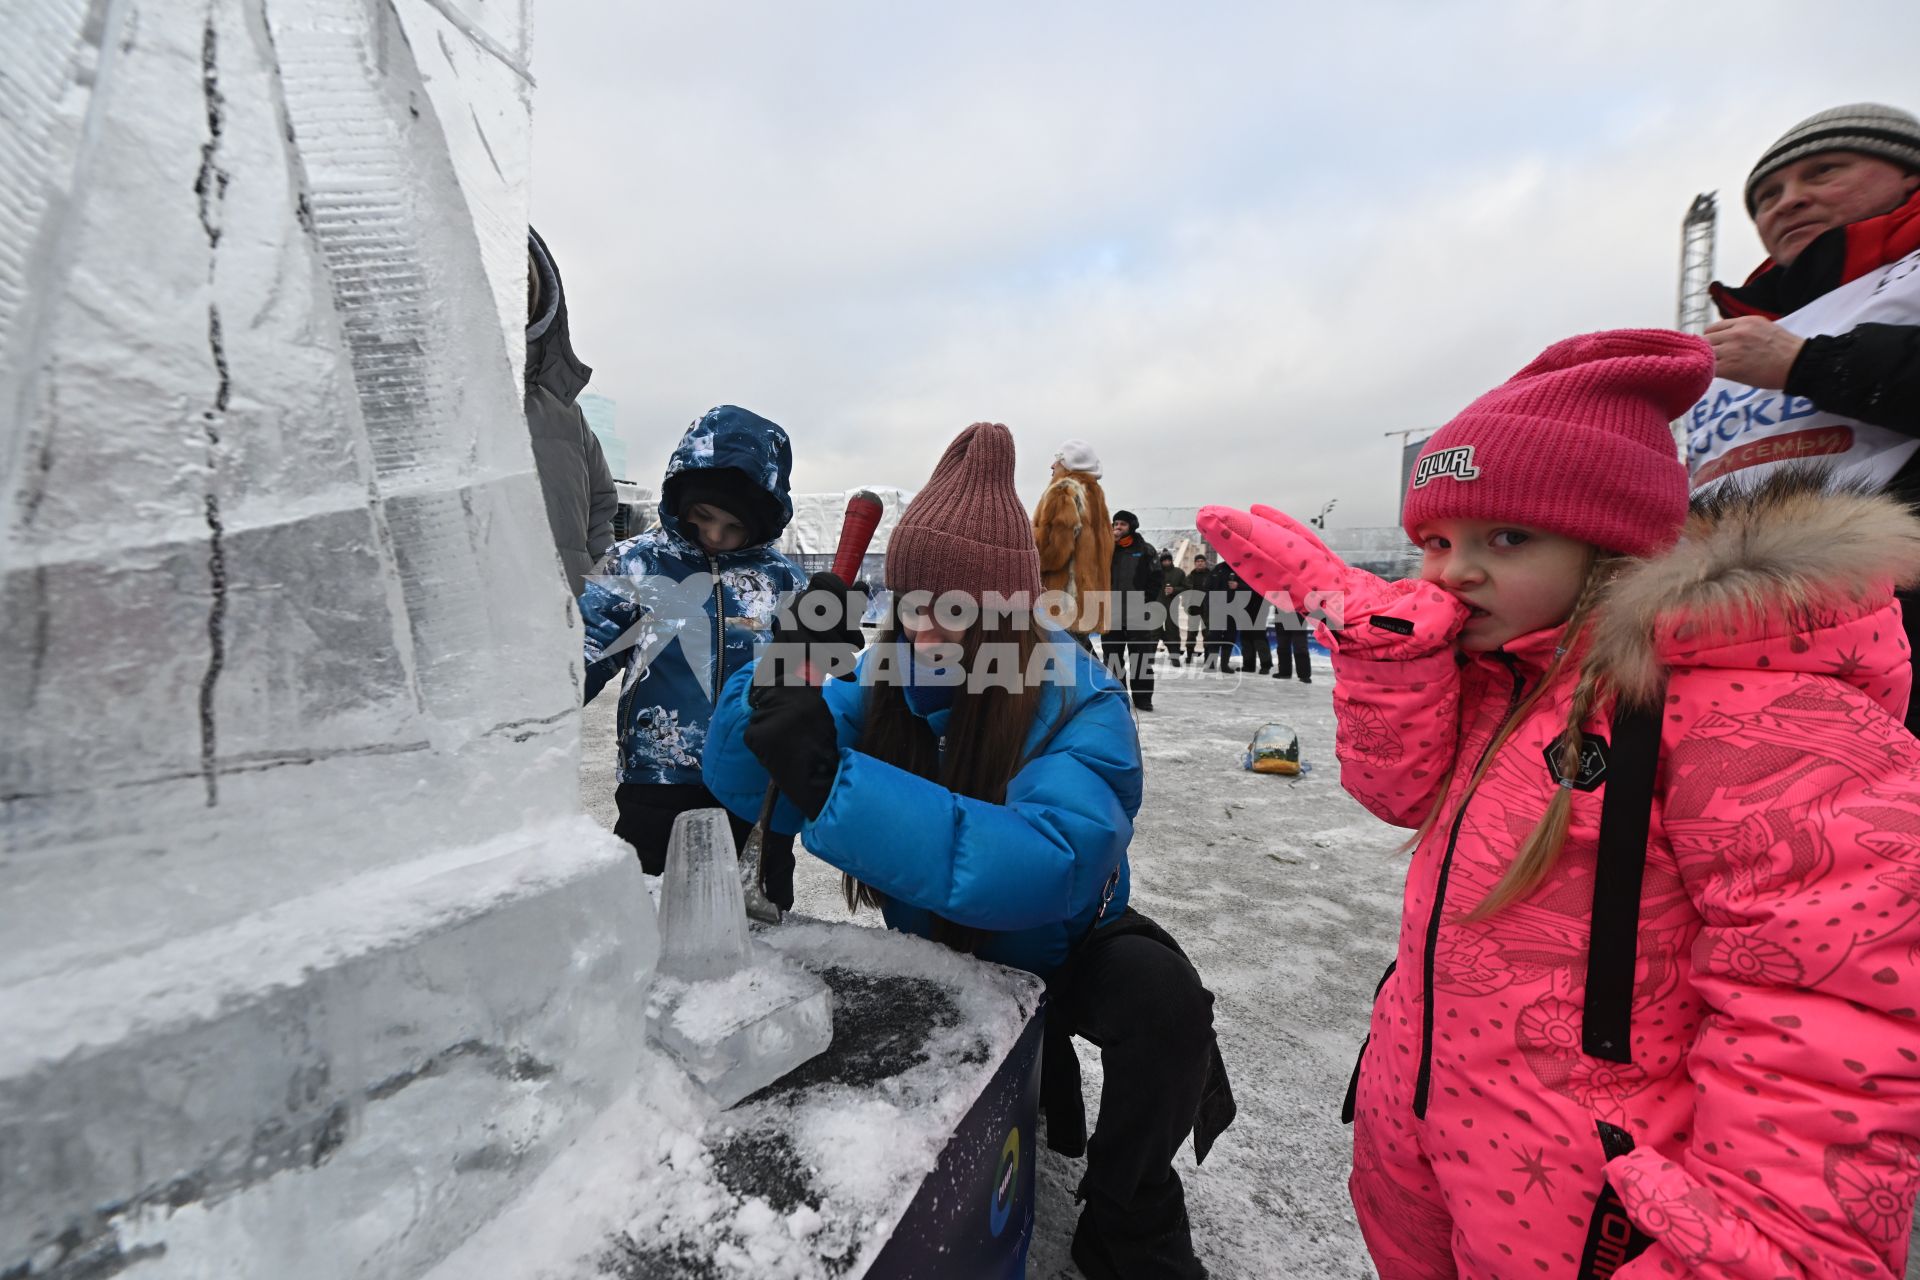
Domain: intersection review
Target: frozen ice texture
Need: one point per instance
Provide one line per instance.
(739, 1033)
(804, 1181)
(735, 1016)
(308, 958)
(703, 914)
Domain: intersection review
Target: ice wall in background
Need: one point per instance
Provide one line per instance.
(287, 666)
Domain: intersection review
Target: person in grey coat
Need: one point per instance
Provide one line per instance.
(574, 479)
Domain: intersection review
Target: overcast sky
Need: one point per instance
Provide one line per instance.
(1231, 245)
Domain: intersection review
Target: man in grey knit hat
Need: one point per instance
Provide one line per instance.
(1832, 199)
(1818, 357)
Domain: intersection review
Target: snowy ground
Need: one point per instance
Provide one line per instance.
(1285, 894)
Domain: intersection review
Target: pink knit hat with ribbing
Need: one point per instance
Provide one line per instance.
(1578, 443)
(966, 530)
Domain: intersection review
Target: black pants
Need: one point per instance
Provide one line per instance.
(1254, 648)
(647, 811)
(1142, 1003)
(1129, 655)
(1196, 637)
(1295, 657)
(1230, 636)
(1170, 637)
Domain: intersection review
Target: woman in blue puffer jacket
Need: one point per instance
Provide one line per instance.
(978, 780)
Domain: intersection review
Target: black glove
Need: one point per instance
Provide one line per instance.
(790, 731)
(818, 629)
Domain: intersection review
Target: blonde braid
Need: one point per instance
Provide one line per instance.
(1543, 844)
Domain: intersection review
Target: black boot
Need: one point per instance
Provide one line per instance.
(1148, 1239)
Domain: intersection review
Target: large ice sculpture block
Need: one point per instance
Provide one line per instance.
(308, 957)
(737, 1017)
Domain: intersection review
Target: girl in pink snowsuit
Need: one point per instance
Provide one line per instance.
(1685, 1041)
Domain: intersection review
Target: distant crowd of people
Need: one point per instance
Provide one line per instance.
(1137, 599)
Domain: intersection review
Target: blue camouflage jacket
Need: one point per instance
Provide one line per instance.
(1033, 870)
(674, 621)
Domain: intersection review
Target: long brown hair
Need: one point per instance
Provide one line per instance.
(986, 738)
(1541, 849)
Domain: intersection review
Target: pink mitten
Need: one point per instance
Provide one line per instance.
(1366, 616)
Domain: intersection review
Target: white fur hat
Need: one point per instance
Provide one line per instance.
(1078, 455)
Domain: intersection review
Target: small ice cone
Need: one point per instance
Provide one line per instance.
(703, 923)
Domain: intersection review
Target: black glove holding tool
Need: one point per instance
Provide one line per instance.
(790, 730)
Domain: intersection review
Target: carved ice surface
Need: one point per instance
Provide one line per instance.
(703, 914)
(736, 1016)
(308, 957)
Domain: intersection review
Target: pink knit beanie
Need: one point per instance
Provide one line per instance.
(966, 530)
(1578, 443)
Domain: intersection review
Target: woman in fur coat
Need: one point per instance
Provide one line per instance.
(1674, 1030)
(1072, 532)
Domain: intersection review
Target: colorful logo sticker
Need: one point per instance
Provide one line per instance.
(1006, 1182)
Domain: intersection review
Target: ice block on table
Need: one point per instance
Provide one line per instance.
(735, 1015)
(738, 1034)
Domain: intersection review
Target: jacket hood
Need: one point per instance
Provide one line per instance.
(1794, 573)
(728, 436)
(551, 362)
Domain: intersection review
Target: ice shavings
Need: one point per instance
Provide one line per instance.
(725, 1005)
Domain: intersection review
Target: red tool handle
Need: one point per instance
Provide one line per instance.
(864, 509)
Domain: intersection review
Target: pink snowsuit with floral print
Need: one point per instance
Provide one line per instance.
(1773, 1097)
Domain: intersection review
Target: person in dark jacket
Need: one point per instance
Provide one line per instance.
(684, 606)
(574, 479)
(1214, 615)
(1194, 606)
(1129, 646)
(1817, 357)
(1253, 638)
(1228, 603)
(1173, 582)
(997, 821)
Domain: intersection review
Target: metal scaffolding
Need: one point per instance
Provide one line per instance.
(1696, 263)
